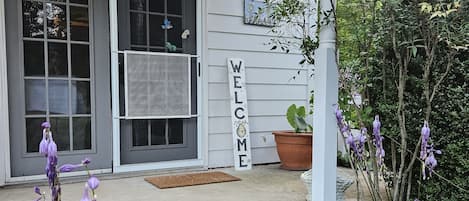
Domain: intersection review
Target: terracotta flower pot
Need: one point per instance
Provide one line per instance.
(294, 149)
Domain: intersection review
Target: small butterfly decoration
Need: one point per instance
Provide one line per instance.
(166, 24)
(185, 34)
(170, 47)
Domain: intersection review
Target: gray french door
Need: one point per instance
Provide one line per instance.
(158, 26)
(58, 71)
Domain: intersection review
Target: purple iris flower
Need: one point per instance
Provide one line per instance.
(44, 143)
(86, 194)
(351, 143)
(378, 140)
(338, 114)
(430, 161)
(425, 139)
(37, 190)
(361, 143)
(343, 127)
(86, 161)
(51, 147)
(69, 167)
(45, 124)
(93, 182)
(54, 194)
(51, 171)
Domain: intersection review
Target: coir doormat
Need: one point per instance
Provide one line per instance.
(190, 179)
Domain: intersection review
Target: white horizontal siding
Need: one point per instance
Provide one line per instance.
(256, 124)
(258, 140)
(220, 91)
(255, 107)
(261, 75)
(224, 158)
(266, 59)
(269, 79)
(226, 7)
(242, 42)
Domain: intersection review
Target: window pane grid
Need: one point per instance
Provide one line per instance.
(155, 133)
(155, 13)
(59, 84)
(148, 45)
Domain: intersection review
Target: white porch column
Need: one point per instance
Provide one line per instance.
(4, 123)
(114, 83)
(324, 123)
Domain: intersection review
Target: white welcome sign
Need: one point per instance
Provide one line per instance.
(239, 114)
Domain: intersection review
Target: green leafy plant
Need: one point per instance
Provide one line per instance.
(296, 117)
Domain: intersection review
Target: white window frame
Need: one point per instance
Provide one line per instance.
(4, 119)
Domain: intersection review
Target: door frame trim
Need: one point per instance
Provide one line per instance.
(5, 168)
(202, 100)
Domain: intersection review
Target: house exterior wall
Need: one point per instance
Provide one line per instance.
(270, 87)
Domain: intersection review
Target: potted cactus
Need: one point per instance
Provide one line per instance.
(294, 147)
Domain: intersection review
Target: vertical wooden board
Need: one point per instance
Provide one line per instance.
(239, 114)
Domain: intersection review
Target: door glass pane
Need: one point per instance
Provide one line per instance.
(58, 60)
(157, 6)
(60, 132)
(138, 29)
(33, 133)
(33, 19)
(157, 33)
(81, 97)
(138, 5)
(174, 7)
(33, 58)
(158, 128)
(35, 96)
(175, 133)
(139, 132)
(81, 133)
(56, 21)
(79, 1)
(80, 61)
(79, 24)
(174, 34)
(58, 97)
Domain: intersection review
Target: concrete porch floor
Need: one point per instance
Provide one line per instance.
(262, 183)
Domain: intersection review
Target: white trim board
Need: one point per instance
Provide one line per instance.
(24, 179)
(159, 165)
(4, 120)
(202, 50)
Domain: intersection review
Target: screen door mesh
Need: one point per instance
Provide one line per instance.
(157, 85)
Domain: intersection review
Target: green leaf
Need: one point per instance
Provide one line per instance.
(302, 125)
(301, 111)
(291, 115)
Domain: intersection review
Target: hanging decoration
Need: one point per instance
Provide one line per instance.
(170, 47)
(185, 34)
(166, 24)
